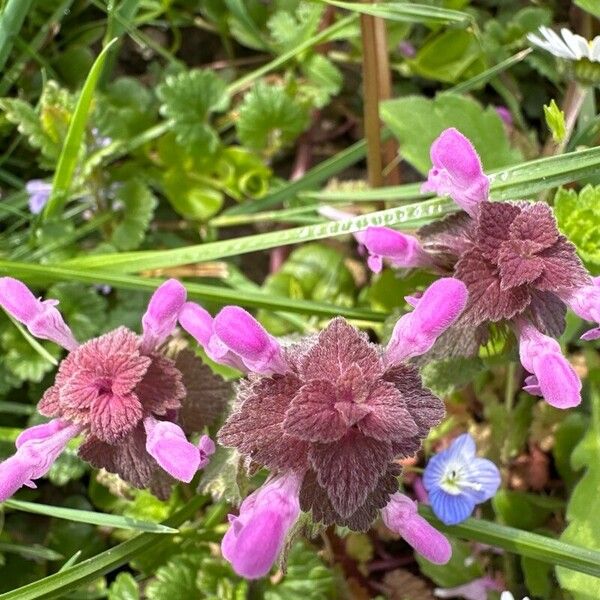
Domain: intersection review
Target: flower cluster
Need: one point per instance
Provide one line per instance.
(328, 416)
(133, 404)
(520, 272)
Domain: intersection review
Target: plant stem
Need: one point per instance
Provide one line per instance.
(509, 390)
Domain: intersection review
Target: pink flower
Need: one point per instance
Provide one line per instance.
(401, 516)
(132, 404)
(400, 249)
(457, 171)
(506, 116)
(382, 243)
(235, 338)
(585, 303)
(41, 317)
(37, 448)
(255, 538)
(474, 590)
(553, 376)
(338, 417)
(435, 311)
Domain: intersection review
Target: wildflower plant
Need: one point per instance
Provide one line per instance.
(328, 416)
(133, 404)
(521, 273)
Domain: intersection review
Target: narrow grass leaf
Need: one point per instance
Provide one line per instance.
(61, 583)
(69, 155)
(521, 542)
(88, 516)
(44, 274)
(405, 12)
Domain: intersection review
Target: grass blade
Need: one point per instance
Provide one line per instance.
(43, 274)
(63, 582)
(11, 21)
(88, 516)
(521, 542)
(520, 181)
(33, 551)
(69, 155)
(406, 13)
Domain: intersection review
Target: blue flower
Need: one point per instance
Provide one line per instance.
(39, 193)
(456, 480)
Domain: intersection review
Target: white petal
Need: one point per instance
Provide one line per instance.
(595, 49)
(576, 43)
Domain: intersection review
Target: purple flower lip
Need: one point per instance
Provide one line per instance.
(457, 171)
(234, 338)
(456, 480)
(256, 536)
(400, 515)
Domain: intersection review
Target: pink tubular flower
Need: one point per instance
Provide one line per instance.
(37, 448)
(400, 249)
(553, 376)
(585, 303)
(382, 243)
(339, 417)
(132, 404)
(401, 516)
(457, 171)
(436, 310)
(41, 317)
(255, 538)
(474, 590)
(235, 338)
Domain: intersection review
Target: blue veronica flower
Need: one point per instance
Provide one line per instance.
(456, 480)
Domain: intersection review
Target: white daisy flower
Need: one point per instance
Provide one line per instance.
(570, 46)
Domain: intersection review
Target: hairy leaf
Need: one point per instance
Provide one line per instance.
(137, 204)
(189, 99)
(269, 118)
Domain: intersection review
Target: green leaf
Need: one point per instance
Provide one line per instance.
(538, 577)
(590, 5)
(525, 511)
(67, 467)
(269, 119)
(307, 578)
(59, 584)
(125, 109)
(46, 127)
(584, 504)
(569, 433)
(189, 99)
(578, 217)
(288, 29)
(457, 571)
(209, 293)
(446, 375)
(176, 579)
(406, 12)
(525, 543)
(417, 121)
(324, 77)
(69, 156)
(191, 199)
(31, 551)
(450, 56)
(220, 476)
(555, 119)
(89, 517)
(23, 360)
(83, 307)
(138, 204)
(124, 587)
